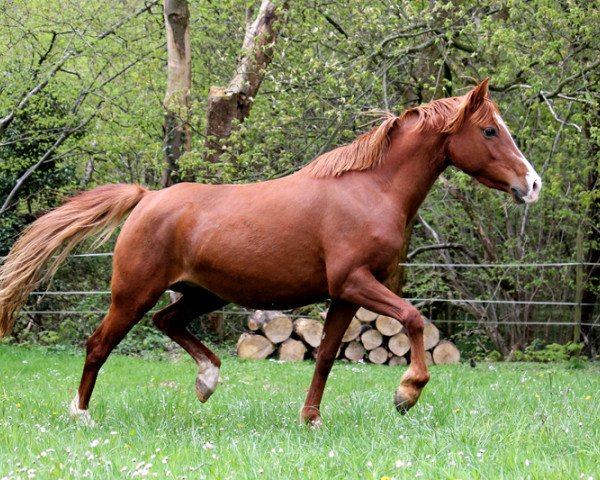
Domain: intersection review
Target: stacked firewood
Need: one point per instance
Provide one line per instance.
(370, 337)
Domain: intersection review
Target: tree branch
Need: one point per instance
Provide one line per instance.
(66, 133)
(439, 246)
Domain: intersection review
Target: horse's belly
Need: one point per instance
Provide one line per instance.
(262, 278)
(252, 290)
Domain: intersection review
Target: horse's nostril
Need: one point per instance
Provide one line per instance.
(536, 186)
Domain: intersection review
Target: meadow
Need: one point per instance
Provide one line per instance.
(492, 421)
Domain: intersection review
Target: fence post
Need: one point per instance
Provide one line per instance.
(578, 285)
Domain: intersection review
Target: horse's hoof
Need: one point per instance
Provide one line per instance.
(404, 401)
(82, 416)
(206, 382)
(311, 417)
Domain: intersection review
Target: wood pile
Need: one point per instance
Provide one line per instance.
(370, 337)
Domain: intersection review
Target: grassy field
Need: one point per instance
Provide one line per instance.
(493, 421)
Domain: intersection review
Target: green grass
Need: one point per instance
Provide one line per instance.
(492, 421)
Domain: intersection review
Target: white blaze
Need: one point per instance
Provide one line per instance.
(534, 182)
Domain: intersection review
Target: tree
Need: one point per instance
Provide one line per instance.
(227, 106)
(177, 130)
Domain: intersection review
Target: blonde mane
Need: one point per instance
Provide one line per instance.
(446, 115)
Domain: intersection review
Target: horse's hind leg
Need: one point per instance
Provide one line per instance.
(125, 311)
(173, 321)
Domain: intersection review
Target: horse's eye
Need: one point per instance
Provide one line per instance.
(490, 132)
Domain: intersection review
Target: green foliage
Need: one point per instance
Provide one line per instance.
(104, 64)
(552, 352)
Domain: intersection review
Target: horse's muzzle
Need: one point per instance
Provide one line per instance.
(517, 196)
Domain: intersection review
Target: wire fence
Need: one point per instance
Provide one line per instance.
(419, 300)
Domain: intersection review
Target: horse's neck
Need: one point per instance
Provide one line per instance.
(413, 163)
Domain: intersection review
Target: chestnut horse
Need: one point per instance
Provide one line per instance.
(331, 230)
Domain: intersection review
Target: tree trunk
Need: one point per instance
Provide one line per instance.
(176, 129)
(396, 281)
(589, 297)
(233, 103)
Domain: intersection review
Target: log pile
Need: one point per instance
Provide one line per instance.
(370, 337)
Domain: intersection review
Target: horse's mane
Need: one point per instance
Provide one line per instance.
(446, 115)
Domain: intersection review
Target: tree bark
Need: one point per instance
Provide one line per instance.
(233, 103)
(396, 281)
(176, 129)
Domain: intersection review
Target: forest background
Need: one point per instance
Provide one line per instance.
(86, 98)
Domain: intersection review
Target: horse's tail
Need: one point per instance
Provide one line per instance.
(97, 211)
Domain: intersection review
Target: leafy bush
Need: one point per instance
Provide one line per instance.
(552, 352)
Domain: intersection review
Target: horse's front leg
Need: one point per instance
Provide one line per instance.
(339, 316)
(362, 288)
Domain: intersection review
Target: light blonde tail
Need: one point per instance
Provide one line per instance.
(100, 210)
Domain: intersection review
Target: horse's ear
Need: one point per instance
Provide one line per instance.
(478, 95)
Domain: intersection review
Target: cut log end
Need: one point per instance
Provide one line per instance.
(378, 355)
(399, 344)
(352, 332)
(254, 347)
(354, 351)
(431, 335)
(371, 339)
(428, 358)
(366, 316)
(446, 353)
(278, 329)
(388, 326)
(291, 350)
(395, 361)
(311, 331)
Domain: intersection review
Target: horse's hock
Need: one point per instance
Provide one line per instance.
(370, 338)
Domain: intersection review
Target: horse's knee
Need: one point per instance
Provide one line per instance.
(413, 321)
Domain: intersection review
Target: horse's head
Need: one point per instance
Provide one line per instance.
(481, 145)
